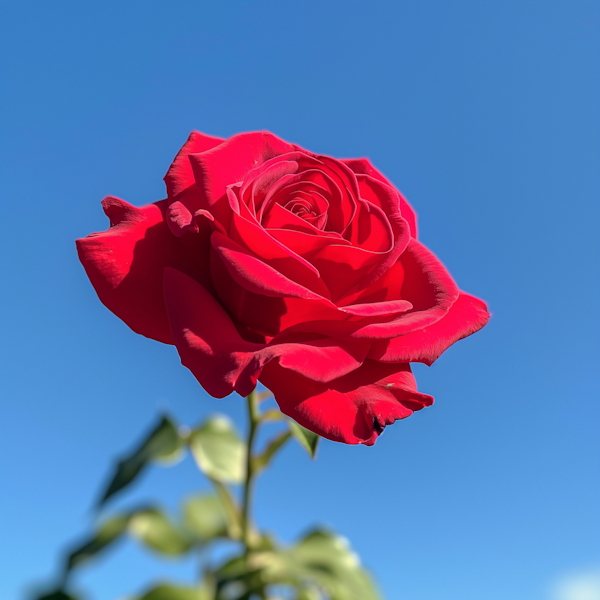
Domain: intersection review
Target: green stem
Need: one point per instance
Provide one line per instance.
(253, 417)
(254, 420)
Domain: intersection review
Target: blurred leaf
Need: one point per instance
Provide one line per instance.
(328, 559)
(162, 443)
(234, 517)
(307, 439)
(57, 595)
(205, 517)
(321, 564)
(107, 533)
(152, 527)
(232, 569)
(236, 580)
(262, 461)
(170, 460)
(218, 450)
(272, 415)
(308, 594)
(265, 543)
(328, 548)
(172, 592)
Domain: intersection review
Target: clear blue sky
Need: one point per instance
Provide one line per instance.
(485, 114)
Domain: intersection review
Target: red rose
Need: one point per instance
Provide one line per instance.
(267, 262)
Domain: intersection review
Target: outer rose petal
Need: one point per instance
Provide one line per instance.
(427, 285)
(211, 347)
(125, 265)
(353, 409)
(180, 176)
(363, 166)
(466, 316)
(418, 277)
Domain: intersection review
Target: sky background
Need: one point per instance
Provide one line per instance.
(484, 114)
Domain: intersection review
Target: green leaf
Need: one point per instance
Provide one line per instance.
(237, 580)
(171, 592)
(308, 594)
(234, 517)
(272, 415)
(242, 576)
(163, 443)
(263, 460)
(205, 517)
(328, 560)
(107, 533)
(307, 439)
(152, 527)
(218, 450)
(320, 565)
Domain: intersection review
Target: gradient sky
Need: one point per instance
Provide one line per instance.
(485, 114)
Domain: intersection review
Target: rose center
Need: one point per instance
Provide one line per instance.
(301, 208)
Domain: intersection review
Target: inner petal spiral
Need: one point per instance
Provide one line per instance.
(300, 207)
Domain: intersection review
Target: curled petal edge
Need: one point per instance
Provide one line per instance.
(125, 265)
(466, 316)
(354, 409)
(212, 348)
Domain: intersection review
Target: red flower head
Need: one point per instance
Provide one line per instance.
(267, 262)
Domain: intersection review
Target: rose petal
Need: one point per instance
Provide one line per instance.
(280, 218)
(250, 236)
(299, 198)
(363, 166)
(306, 243)
(259, 181)
(180, 215)
(255, 275)
(466, 316)
(375, 309)
(265, 314)
(371, 230)
(379, 235)
(386, 288)
(180, 176)
(268, 302)
(331, 178)
(264, 300)
(229, 163)
(423, 281)
(311, 182)
(207, 341)
(427, 285)
(381, 198)
(212, 348)
(342, 206)
(346, 182)
(353, 409)
(343, 268)
(125, 265)
(321, 360)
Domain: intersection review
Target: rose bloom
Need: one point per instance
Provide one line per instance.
(269, 263)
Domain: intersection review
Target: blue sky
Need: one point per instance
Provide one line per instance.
(484, 114)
